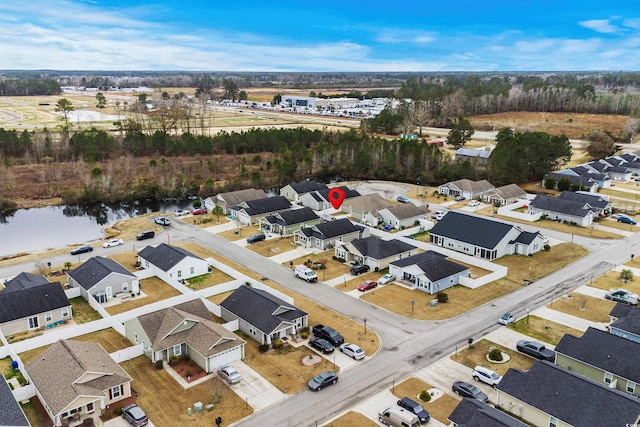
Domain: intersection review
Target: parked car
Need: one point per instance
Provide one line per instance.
(459, 198)
(438, 215)
(328, 333)
(162, 220)
(353, 351)
(321, 345)
(148, 234)
(536, 350)
(81, 250)
(359, 269)
(323, 380)
(465, 389)
(618, 216)
(135, 415)
(181, 212)
(506, 319)
(414, 407)
(229, 374)
(199, 211)
(623, 296)
(486, 375)
(305, 273)
(474, 203)
(113, 242)
(398, 417)
(403, 199)
(627, 220)
(258, 237)
(386, 279)
(367, 284)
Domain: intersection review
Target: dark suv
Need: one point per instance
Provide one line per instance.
(359, 269)
(415, 407)
(135, 416)
(258, 237)
(148, 234)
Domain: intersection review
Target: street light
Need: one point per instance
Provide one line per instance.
(365, 325)
(412, 304)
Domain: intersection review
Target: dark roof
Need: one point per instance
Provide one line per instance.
(330, 229)
(567, 207)
(594, 200)
(348, 193)
(307, 186)
(628, 318)
(605, 351)
(561, 394)
(11, 414)
(376, 248)
(585, 172)
(30, 301)
(266, 205)
(95, 269)
(25, 280)
(294, 216)
(260, 308)
(585, 182)
(434, 265)
(527, 237)
(164, 256)
(473, 413)
(474, 230)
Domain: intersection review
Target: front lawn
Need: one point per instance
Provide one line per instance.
(271, 247)
(612, 280)
(544, 330)
(584, 306)
(440, 408)
(332, 268)
(154, 290)
(476, 355)
(352, 419)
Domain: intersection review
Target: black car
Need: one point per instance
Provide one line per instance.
(359, 269)
(81, 250)
(415, 407)
(465, 389)
(258, 237)
(148, 234)
(135, 416)
(321, 344)
(323, 380)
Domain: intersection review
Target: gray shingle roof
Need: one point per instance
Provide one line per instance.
(477, 231)
(294, 216)
(165, 256)
(348, 193)
(22, 303)
(508, 191)
(25, 280)
(307, 186)
(473, 186)
(561, 393)
(628, 318)
(376, 248)
(95, 269)
(527, 237)
(266, 205)
(407, 210)
(563, 206)
(236, 197)
(585, 182)
(592, 199)
(369, 202)
(330, 229)
(605, 351)
(11, 414)
(260, 308)
(434, 265)
(473, 413)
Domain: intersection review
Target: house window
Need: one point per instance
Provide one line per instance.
(192, 270)
(125, 287)
(179, 273)
(89, 408)
(65, 312)
(177, 350)
(144, 345)
(33, 322)
(135, 338)
(48, 317)
(631, 387)
(116, 392)
(608, 377)
(553, 422)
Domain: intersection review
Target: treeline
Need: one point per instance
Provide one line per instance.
(29, 87)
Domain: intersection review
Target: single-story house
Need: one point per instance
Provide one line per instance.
(480, 157)
(172, 262)
(374, 252)
(25, 280)
(261, 315)
(251, 211)
(632, 162)
(404, 215)
(579, 182)
(187, 329)
(12, 413)
(600, 203)
(233, 198)
(102, 278)
(548, 395)
(613, 167)
(482, 237)
(361, 206)
(466, 188)
(473, 413)
(296, 190)
(286, 222)
(319, 200)
(504, 195)
(603, 357)
(36, 307)
(324, 235)
(557, 209)
(429, 271)
(625, 322)
(77, 379)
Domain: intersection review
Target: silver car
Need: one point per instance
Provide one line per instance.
(229, 374)
(623, 296)
(386, 279)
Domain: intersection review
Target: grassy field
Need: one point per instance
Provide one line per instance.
(352, 419)
(332, 268)
(440, 408)
(476, 355)
(611, 280)
(271, 247)
(154, 289)
(584, 306)
(543, 329)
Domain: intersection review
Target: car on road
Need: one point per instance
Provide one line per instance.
(623, 296)
(147, 234)
(627, 220)
(486, 375)
(258, 237)
(321, 345)
(81, 250)
(474, 203)
(199, 211)
(113, 242)
(403, 199)
(356, 270)
(162, 220)
(618, 216)
(353, 351)
(536, 350)
(413, 406)
(367, 284)
(229, 374)
(507, 319)
(386, 279)
(181, 212)
(135, 416)
(322, 380)
(464, 389)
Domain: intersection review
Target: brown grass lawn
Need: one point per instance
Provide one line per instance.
(166, 402)
(569, 229)
(612, 280)
(283, 368)
(155, 290)
(239, 233)
(440, 409)
(126, 259)
(332, 268)
(619, 225)
(28, 356)
(352, 419)
(82, 311)
(595, 309)
(476, 355)
(109, 339)
(271, 247)
(543, 329)
(207, 280)
(128, 229)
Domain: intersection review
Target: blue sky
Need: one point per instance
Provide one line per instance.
(303, 35)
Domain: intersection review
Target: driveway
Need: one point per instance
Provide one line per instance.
(254, 389)
(120, 422)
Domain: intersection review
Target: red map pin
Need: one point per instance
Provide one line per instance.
(336, 197)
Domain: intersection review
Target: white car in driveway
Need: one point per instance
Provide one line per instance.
(181, 212)
(386, 279)
(113, 242)
(229, 374)
(474, 203)
(353, 351)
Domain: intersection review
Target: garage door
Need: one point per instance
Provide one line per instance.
(225, 358)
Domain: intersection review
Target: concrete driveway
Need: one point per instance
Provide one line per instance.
(120, 422)
(254, 389)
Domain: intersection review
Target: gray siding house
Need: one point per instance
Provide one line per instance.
(625, 322)
(103, 278)
(326, 235)
(286, 222)
(374, 252)
(429, 271)
(172, 262)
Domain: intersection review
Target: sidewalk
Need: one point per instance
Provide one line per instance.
(567, 319)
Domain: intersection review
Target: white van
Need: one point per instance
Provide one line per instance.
(305, 273)
(398, 417)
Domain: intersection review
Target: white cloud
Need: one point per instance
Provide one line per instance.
(395, 36)
(599, 25)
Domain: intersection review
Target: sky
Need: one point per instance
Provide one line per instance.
(316, 36)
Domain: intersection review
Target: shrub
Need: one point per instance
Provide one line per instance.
(305, 329)
(118, 410)
(495, 354)
(188, 373)
(159, 364)
(173, 360)
(546, 247)
(304, 334)
(442, 297)
(263, 348)
(425, 396)
(277, 344)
